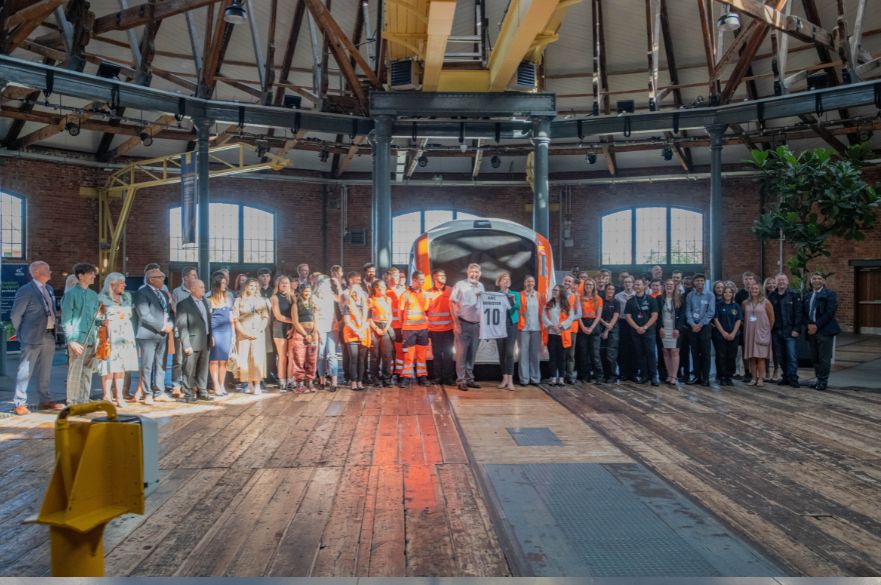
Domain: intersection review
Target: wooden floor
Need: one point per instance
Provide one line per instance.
(796, 471)
(346, 484)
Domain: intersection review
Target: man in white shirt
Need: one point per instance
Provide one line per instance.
(531, 303)
(465, 310)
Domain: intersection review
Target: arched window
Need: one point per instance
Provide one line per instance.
(406, 227)
(652, 235)
(12, 226)
(239, 234)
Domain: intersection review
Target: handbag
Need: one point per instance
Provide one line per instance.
(102, 349)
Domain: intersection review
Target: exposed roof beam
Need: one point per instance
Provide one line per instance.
(683, 154)
(414, 160)
(135, 141)
(350, 155)
(707, 35)
(438, 29)
(293, 36)
(18, 27)
(792, 25)
(213, 55)
(145, 13)
(523, 22)
(478, 158)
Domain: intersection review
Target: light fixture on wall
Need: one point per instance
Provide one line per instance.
(667, 153)
(108, 70)
(235, 13)
(146, 138)
(591, 158)
(495, 161)
(728, 21)
(72, 128)
(423, 161)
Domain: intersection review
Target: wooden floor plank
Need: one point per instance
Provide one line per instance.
(299, 429)
(385, 451)
(336, 451)
(429, 549)
(410, 440)
(387, 543)
(364, 440)
(338, 554)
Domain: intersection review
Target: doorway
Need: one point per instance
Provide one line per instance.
(868, 299)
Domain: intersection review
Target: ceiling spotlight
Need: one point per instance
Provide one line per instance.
(324, 155)
(108, 70)
(667, 153)
(423, 161)
(292, 101)
(72, 128)
(146, 138)
(235, 13)
(728, 21)
(626, 106)
(591, 158)
(495, 161)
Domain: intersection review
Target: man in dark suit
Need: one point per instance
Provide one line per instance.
(155, 321)
(819, 313)
(193, 321)
(33, 317)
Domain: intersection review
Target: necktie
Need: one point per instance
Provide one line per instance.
(813, 310)
(162, 300)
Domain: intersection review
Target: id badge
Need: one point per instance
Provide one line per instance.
(753, 319)
(641, 316)
(697, 316)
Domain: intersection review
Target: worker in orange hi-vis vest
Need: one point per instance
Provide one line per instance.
(379, 313)
(390, 277)
(570, 289)
(356, 330)
(414, 324)
(440, 329)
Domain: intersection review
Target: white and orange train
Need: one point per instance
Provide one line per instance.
(498, 245)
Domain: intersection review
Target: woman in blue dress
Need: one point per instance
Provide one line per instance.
(221, 331)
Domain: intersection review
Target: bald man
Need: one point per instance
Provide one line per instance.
(193, 322)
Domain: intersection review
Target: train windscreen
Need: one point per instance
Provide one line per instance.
(496, 251)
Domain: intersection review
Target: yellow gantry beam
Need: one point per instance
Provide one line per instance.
(440, 24)
(523, 22)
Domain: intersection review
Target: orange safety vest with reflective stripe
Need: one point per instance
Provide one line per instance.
(565, 335)
(355, 327)
(412, 308)
(396, 310)
(573, 299)
(591, 307)
(439, 318)
(379, 309)
(521, 322)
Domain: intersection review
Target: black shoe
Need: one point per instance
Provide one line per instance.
(472, 384)
(655, 383)
(571, 381)
(782, 382)
(188, 399)
(738, 377)
(205, 396)
(423, 382)
(704, 382)
(692, 381)
(821, 386)
(640, 380)
(747, 378)
(795, 384)
(405, 383)
(462, 386)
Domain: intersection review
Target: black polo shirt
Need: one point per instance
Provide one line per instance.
(641, 308)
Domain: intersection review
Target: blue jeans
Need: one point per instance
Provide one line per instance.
(784, 346)
(327, 348)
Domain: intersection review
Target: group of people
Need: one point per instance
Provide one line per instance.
(388, 330)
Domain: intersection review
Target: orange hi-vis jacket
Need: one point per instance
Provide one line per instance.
(396, 311)
(521, 322)
(573, 300)
(566, 336)
(413, 306)
(591, 308)
(379, 309)
(439, 317)
(355, 328)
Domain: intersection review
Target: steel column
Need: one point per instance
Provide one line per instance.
(541, 139)
(382, 193)
(203, 130)
(716, 132)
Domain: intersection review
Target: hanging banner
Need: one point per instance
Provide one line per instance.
(12, 277)
(188, 197)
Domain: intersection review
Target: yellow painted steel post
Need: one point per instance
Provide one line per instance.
(76, 554)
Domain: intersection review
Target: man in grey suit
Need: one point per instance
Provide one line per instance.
(155, 321)
(193, 321)
(33, 316)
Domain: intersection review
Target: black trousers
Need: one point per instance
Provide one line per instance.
(644, 353)
(821, 355)
(684, 355)
(609, 353)
(626, 352)
(506, 346)
(443, 366)
(726, 356)
(659, 353)
(700, 352)
(557, 356)
(357, 361)
(588, 360)
(381, 354)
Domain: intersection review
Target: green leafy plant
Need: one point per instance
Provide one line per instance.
(811, 197)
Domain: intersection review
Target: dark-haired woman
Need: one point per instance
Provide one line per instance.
(379, 312)
(558, 337)
(507, 344)
(221, 304)
(673, 323)
(303, 351)
(282, 300)
(590, 366)
(726, 334)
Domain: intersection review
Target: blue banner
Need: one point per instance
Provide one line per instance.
(188, 197)
(12, 277)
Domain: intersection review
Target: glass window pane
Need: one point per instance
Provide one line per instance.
(258, 245)
(11, 226)
(223, 240)
(435, 217)
(405, 229)
(179, 252)
(466, 215)
(686, 237)
(617, 242)
(651, 235)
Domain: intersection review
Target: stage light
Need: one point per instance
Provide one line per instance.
(729, 21)
(495, 162)
(292, 101)
(626, 106)
(667, 153)
(72, 128)
(423, 161)
(109, 70)
(591, 158)
(235, 13)
(145, 137)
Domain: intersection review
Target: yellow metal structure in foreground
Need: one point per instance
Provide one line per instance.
(98, 476)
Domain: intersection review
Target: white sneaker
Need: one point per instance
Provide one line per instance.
(258, 390)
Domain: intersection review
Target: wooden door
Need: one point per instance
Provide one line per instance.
(869, 300)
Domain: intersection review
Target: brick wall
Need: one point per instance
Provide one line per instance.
(62, 226)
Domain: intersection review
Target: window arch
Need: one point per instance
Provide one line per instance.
(652, 235)
(239, 234)
(12, 226)
(406, 227)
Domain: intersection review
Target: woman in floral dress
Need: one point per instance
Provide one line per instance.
(115, 313)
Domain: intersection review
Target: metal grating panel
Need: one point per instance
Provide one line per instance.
(581, 519)
(534, 437)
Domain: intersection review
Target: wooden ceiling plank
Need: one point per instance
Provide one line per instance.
(772, 17)
(142, 14)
